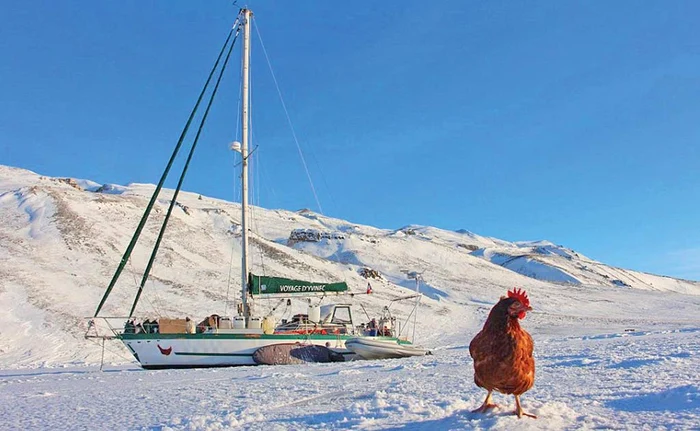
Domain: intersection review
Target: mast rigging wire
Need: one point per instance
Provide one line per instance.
(156, 192)
(236, 196)
(336, 253)
(289, 120)
(182, 177)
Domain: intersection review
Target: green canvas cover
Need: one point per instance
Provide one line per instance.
(260, 285)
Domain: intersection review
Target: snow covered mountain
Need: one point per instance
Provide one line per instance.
(545, 261)
(61, 240)
(614, 348)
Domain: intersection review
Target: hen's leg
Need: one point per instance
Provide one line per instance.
(519, 409)
(488, 404)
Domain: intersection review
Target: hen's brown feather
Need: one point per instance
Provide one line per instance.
(502, 353)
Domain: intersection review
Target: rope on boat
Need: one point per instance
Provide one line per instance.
(102, 358)
(125, 358)
(182, 178)
(289, 120)
(163, 177)
(335, 256)
(236, 197)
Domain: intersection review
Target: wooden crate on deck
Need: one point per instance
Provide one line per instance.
(172, 326)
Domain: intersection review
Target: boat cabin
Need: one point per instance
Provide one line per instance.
(327, 319)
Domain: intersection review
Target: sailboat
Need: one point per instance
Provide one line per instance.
(244, 338)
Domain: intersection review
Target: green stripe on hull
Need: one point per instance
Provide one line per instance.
(191, 366)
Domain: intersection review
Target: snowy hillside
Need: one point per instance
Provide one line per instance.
(545, 261)
(61, 240)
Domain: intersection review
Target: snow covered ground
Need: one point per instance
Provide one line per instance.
(616, 349)
(626, 380)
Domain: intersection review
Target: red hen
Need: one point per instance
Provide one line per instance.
(502, 352)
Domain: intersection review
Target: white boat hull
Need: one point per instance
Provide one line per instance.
(382, 348)
(216, 350)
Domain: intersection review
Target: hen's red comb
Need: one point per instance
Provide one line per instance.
(520, 295)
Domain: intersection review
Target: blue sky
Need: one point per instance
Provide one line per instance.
(576, 122)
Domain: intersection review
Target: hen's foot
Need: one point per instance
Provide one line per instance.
(485, 407)
(519, 410)
(522, 413)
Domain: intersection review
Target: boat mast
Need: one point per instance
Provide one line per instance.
(247, 14)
